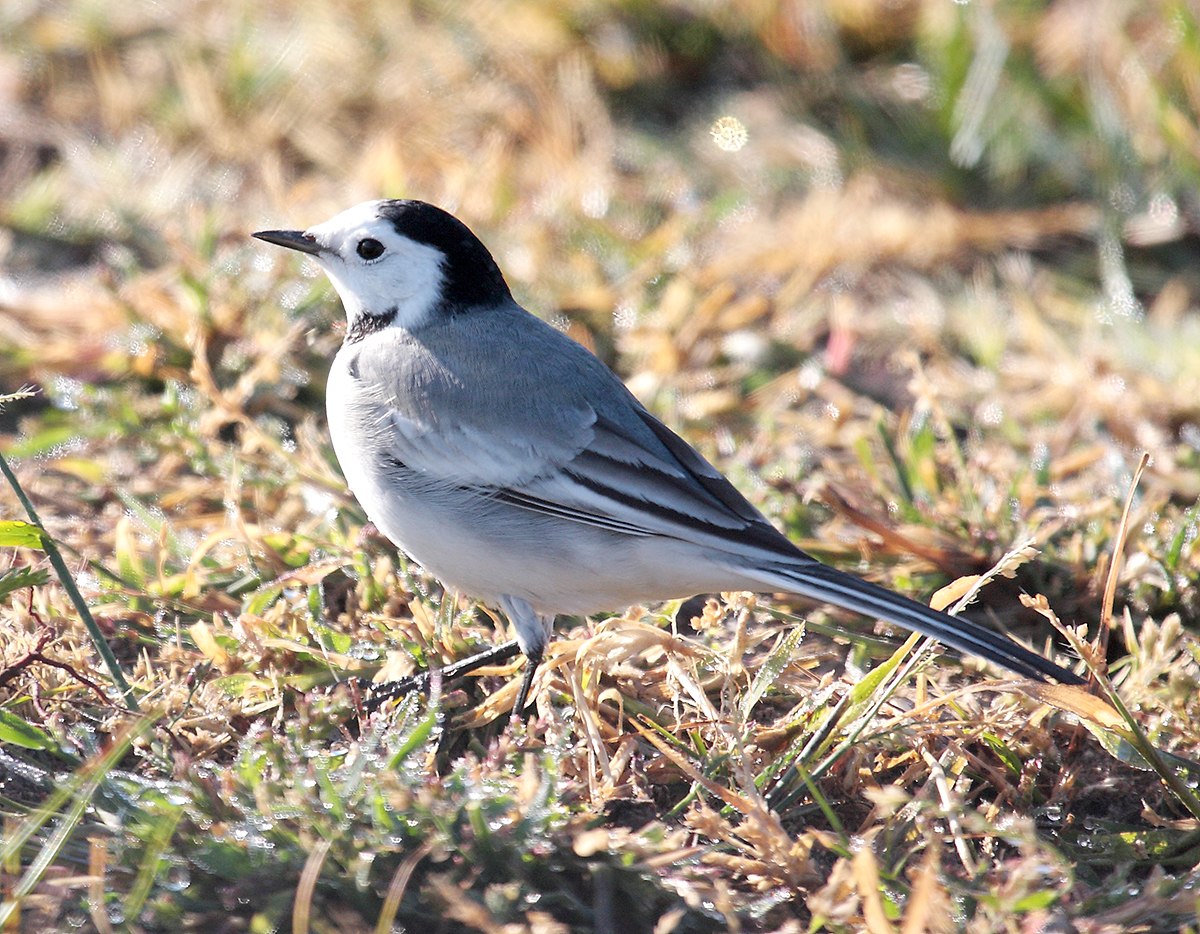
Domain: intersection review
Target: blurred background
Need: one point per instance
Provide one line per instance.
(819, 238)
(922, 276)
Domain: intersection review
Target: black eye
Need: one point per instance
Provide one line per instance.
(369, 248)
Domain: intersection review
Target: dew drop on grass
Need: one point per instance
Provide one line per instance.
(294, 375)
(729, 134)
(1005, 823)
(62, 449)
(679, 256)
(292, 295)
(261, 823)
(318, 501)
(363, 651)
(595, 202)
(809, 375)
(176, 879)
(65, 392)
(87, 582)
(624, 316)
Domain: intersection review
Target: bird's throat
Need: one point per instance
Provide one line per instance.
(367, 323)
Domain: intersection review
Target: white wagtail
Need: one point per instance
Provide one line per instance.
(508, 461)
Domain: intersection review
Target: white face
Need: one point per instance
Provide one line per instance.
(405, 275)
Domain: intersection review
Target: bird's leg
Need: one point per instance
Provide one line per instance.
(532, 660)
(380, 694)
(533, 633)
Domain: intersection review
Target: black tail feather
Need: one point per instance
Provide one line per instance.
(830, 585)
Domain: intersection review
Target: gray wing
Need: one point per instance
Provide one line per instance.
(502, 403)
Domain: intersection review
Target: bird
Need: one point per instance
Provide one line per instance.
(512, 464)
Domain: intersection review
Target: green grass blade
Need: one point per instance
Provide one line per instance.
(68, 582)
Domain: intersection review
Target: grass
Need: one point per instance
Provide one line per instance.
(920, 278)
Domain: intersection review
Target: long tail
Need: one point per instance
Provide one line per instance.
(829, 585)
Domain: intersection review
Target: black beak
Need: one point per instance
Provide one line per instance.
(292, 239)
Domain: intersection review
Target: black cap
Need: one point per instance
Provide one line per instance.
(472, 277)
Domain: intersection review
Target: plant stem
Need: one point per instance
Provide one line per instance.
(68, 582)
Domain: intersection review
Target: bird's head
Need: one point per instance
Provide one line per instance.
(399, 263)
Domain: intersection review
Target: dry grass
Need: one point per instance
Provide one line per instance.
(928, 316)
